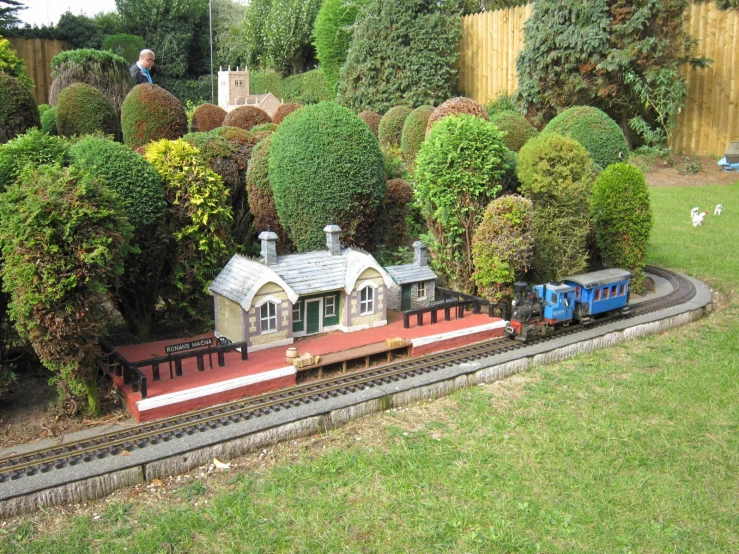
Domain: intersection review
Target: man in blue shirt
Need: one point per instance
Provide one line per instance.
(140, 70)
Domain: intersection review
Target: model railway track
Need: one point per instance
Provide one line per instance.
(45, 460)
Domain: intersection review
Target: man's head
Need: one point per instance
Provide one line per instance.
(146, 59)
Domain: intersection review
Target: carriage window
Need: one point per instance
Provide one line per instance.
(577, 292)
(605, 293)
(597, 295)
(623, 289)
(614, 290)
(553, 298)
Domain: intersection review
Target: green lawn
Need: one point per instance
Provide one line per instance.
(632, 449)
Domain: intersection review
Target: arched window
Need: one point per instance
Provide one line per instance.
(268, 316)
(367, 300)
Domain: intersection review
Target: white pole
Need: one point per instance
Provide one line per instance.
(210, 17)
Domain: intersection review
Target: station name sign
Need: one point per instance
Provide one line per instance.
(442, 302)
(182, 347)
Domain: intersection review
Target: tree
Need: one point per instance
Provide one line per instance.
(11, 64)
(332, 35)
(229, 42)
(9, 12)
(87, 32)
(288, 47)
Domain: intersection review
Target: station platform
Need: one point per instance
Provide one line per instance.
(268, 369)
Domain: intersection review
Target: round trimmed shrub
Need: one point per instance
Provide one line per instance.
(33, 148)
(246, 117)
(126, 46)
(457, 106)
(42, 108)
(122, 170)
(150, 113)
(325, 165)
(283, 111)
(262, 198)
(414, 133)
(207, 117)
(598, 133)
(502, 246)
(516, 127)
(622, 218)
(372, 120)
(83, 110)
(390, 129)
(18, 108)
(48, 121)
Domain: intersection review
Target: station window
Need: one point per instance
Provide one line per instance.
(597, 295)
(367, 300)
(296, 313)
(330, 310)
(421, 290)
(268, 316)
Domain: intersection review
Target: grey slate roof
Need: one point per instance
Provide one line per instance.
(410, 273)
(600, 278)
(239, 275)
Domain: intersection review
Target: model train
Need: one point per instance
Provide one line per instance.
(538, 309)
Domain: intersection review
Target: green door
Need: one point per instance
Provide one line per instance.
(405, 299)
(312, 316)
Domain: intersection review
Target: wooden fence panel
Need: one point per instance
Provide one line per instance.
(37, 54)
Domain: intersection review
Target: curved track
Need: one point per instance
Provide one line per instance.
(45, 460)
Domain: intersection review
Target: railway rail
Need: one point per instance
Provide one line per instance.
(15, 467)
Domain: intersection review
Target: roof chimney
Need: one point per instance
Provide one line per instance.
(420, 253)
(332, 238)
(269, 246)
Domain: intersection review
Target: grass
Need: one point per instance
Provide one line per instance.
(633, 449)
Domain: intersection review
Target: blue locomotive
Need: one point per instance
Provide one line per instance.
(540, 308)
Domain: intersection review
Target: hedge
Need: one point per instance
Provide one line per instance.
(18, 109)
(390, 129)
(150, 113)
(414, 133)
(82, 109)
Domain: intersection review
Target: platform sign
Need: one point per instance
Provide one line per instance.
(184, 346)
(442, 302)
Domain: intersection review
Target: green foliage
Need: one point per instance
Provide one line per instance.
(392, 218)
(229, 39)
(264, 81)
(458, 172)
(255, 18)
(196, 91)
(394, 165)
(557, 174)
(390, 129)
(477, 6)
(33, 148)
(414, 133)
(306, 88)
(83, 110)
(502, 246)
(622, 218)
(283, 111)
(332, 35)
(87, 32)
(598, 133)
(264, 128)
(11, 64)
(516, 128)
(324, 165)
(150, 113)
(372, 120)
(663, 94)
(402, 52)
(43, 108)
(457, 106)
(9, 12)
(504, 102)
(246, 117)
(287, 37)
(126, 46)
(103, 70)
(48, 121)
(18, 109)
(198, 218)
(63, 242)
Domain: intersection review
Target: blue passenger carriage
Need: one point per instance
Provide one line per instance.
(599, 292)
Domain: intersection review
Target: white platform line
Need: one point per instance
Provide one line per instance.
(459, 333)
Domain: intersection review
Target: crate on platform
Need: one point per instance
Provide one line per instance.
(305, 360)
(395, 342)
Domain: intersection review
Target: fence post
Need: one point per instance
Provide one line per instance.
(201, 362)
(155, 372)
(178, 367)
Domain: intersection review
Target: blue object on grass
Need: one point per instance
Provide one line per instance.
(727, 166)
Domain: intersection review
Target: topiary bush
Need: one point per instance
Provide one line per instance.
(207, 117)
(198, 219)
(262, 198)
(458, 172)
(246, 117)
(598, 133)
(103, 70)
(283, 111)
(557, 174)
(126, 46)
(48, 121)
(43, 108)
(11, 64)
(516, 127)
(502, 246)
(306, 88)
(392, 218)
(414, 133)
(325, 165)
(18, 109)
(267, 128)
(83, 110)
(390, 129)
(372, 120)
(622, 218)
(150, 113)
(457, 106)
(33, 148)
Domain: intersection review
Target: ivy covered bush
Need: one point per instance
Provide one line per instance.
(64, 239)
(325, 165)
(390, 129)
(458, 173)
(557, 174)
(207, 117)
(82, 110)
(402, 52)
(622, 218)
(48, 121)
(457, 106)
(198, 219)
(33, 148)
(502, 246)
(598, 133)
(414, 133)
(372, 120)
(283, 111)
(246, 117)
(150, 113)
(18, 109)
(516, 127)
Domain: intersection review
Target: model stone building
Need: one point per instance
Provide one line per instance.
(233, 91)
(414, 284)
